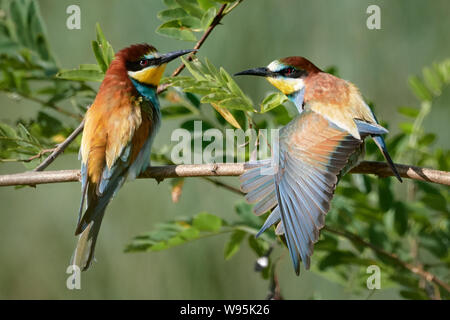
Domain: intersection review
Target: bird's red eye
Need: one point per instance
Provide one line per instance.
(289, 71)
(143, 62)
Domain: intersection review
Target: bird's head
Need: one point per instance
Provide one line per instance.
(145, 64)
(287, 75)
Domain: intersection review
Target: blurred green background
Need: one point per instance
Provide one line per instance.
(37, 225)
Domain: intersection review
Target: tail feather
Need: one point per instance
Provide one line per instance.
(375, 131)
(89, 226)
(84, 251)
(379, 141)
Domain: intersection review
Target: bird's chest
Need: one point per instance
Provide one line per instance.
(149, 114)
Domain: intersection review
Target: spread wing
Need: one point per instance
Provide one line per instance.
(312, 152)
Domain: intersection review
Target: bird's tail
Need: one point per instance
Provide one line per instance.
(375, 131)
(87, 232)
(89, 226)
(379, 141)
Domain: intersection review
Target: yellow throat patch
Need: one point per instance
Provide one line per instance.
(150, 76)
(286, 85)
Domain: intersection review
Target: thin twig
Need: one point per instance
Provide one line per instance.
(223, 185)
(218, 169)
(275, 289)
(36, 156)
(60, 148)
(381, 169)
(428, 276)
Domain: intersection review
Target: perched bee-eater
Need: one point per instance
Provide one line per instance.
(315, 149)
(118, 133)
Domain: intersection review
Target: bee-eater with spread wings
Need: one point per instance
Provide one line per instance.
(315, 149)
(118, 133)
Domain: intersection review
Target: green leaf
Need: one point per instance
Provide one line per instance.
(377, 235)
(207, 222)
(419, 89)
(17, 10)
(327, 243)
(432, 80)
(208, 17)
(236, 103)
(191, 22)
(193, 99)
(232, 85)
(218, 87)
(435, 201)
(189, 125)
(193, 69)
(214, 97)
(400, 218)
(48, 125)
(103, 50)
(94, 67)
(332, 70)
(171, 4)
(258, 245)
(385, 195)
(272, 101)
(9, 47)
(244, 210)
(406, 127)
(413, 295)
(99, 56)
(105, 46)
(81, 75)
(409, 112)
(174, 233)
(191, 7)
(234, 243)
(427, 139)
(171, 14)
(185, 35)
(206, 4)
(336, 258)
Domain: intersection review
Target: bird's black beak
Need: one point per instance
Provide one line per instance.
(262, 72)
(167, 57)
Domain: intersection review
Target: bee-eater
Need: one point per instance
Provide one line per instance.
(117, 137)
(315, 149)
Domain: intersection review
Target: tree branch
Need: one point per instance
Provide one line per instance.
(219, 169)
(60, 148)
(223, 185)
(381, 169)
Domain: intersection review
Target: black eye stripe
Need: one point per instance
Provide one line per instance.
(291, 72)
(136, 65)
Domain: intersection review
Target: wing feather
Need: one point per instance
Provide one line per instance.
(313, 152)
